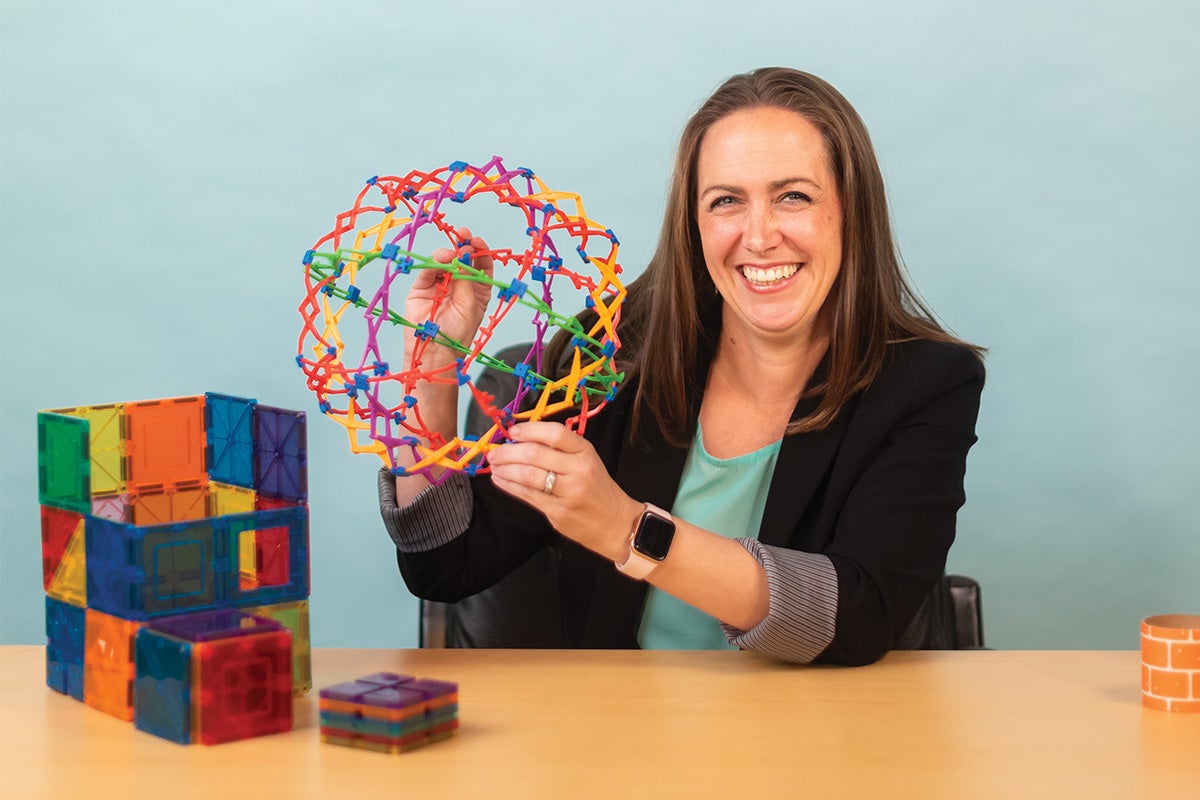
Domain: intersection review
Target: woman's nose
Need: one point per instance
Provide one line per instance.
(762, 230)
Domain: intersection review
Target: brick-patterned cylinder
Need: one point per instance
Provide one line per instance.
(1171, 662)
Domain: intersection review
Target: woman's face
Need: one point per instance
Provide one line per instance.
(770, 221)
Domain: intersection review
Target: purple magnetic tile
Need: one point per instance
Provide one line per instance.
(386, 679)
(222, 623)
(349, 692)
(430, 688)
(393, 697)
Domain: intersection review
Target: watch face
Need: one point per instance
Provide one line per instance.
(654, 536)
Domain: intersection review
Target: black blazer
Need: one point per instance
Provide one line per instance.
(877, 492)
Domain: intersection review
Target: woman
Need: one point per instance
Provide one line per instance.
(786, 455)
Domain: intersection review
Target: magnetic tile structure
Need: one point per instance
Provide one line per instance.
(158, 511)
(389, 713)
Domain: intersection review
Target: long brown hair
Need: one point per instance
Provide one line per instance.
(673, 310)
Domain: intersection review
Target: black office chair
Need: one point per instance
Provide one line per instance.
(950, 619)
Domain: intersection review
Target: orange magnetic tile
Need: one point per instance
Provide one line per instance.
(108, 663)
(166, 441)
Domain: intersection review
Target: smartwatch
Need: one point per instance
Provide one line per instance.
(649, 542)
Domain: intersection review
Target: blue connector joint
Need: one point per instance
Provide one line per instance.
(515, 290)
(555, 262)
(405, 265)
(350, 390)
(608, 349)
(353, 293)
(308, 257)
(612, 237)
(300, 361)
(409, 400)
(589, 302)
(389, 252)
(582, 253)
(549, 208)
(409, 193)
(538, 274)
(520, 370)
(398, 417)
(526, 172)
(428, 330)
(458, 166)
(388, 209)
(324, 406)
(399, 472)
(459, 197)
(411, 441)
(331, 350)
(362, 382)
(380, 367)
(371, 181)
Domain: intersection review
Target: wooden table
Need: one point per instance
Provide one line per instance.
(582, 724)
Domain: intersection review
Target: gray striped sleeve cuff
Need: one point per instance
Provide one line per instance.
(804, 591)
(435, 517)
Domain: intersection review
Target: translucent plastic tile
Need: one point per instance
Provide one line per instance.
(229, 423)
(113, 506)
(294, 616)
(288, 535)
(107, 447)
(224, 498)
(58, 526)
(157, 504)
(142, 572)
(109, 663)
(162, 686)
(245, 686)
(64, 463)
(165, 441)
(65, 627)
(280, 453)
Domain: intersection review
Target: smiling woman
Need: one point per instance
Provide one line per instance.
(782, 468)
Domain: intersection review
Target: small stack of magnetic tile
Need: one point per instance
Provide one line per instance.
(389, 713)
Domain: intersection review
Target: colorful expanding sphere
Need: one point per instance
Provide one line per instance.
(360, 272)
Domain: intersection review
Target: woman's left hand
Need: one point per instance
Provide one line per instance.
(581, 500)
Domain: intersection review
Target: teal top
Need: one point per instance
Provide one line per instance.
(722, 495)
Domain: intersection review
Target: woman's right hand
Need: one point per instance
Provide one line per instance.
(462, 309)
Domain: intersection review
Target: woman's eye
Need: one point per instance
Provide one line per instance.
(723, 200)
(797, 197)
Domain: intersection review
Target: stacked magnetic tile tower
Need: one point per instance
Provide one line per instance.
(175, 562)
(389, 713)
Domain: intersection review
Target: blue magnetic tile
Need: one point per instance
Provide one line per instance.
(280, 453)
(229, 439)
(295, 520)
(65, 629)
(142, 572)
(162, 686)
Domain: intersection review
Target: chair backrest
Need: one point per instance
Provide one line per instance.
(950, 619)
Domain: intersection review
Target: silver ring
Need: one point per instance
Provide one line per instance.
(551, 477)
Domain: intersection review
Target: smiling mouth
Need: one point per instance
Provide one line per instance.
(766, 276)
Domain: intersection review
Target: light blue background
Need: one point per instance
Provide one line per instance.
(164, 166)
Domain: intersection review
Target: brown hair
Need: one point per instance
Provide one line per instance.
(673, 307)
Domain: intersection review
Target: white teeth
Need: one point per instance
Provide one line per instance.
(762, 277)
